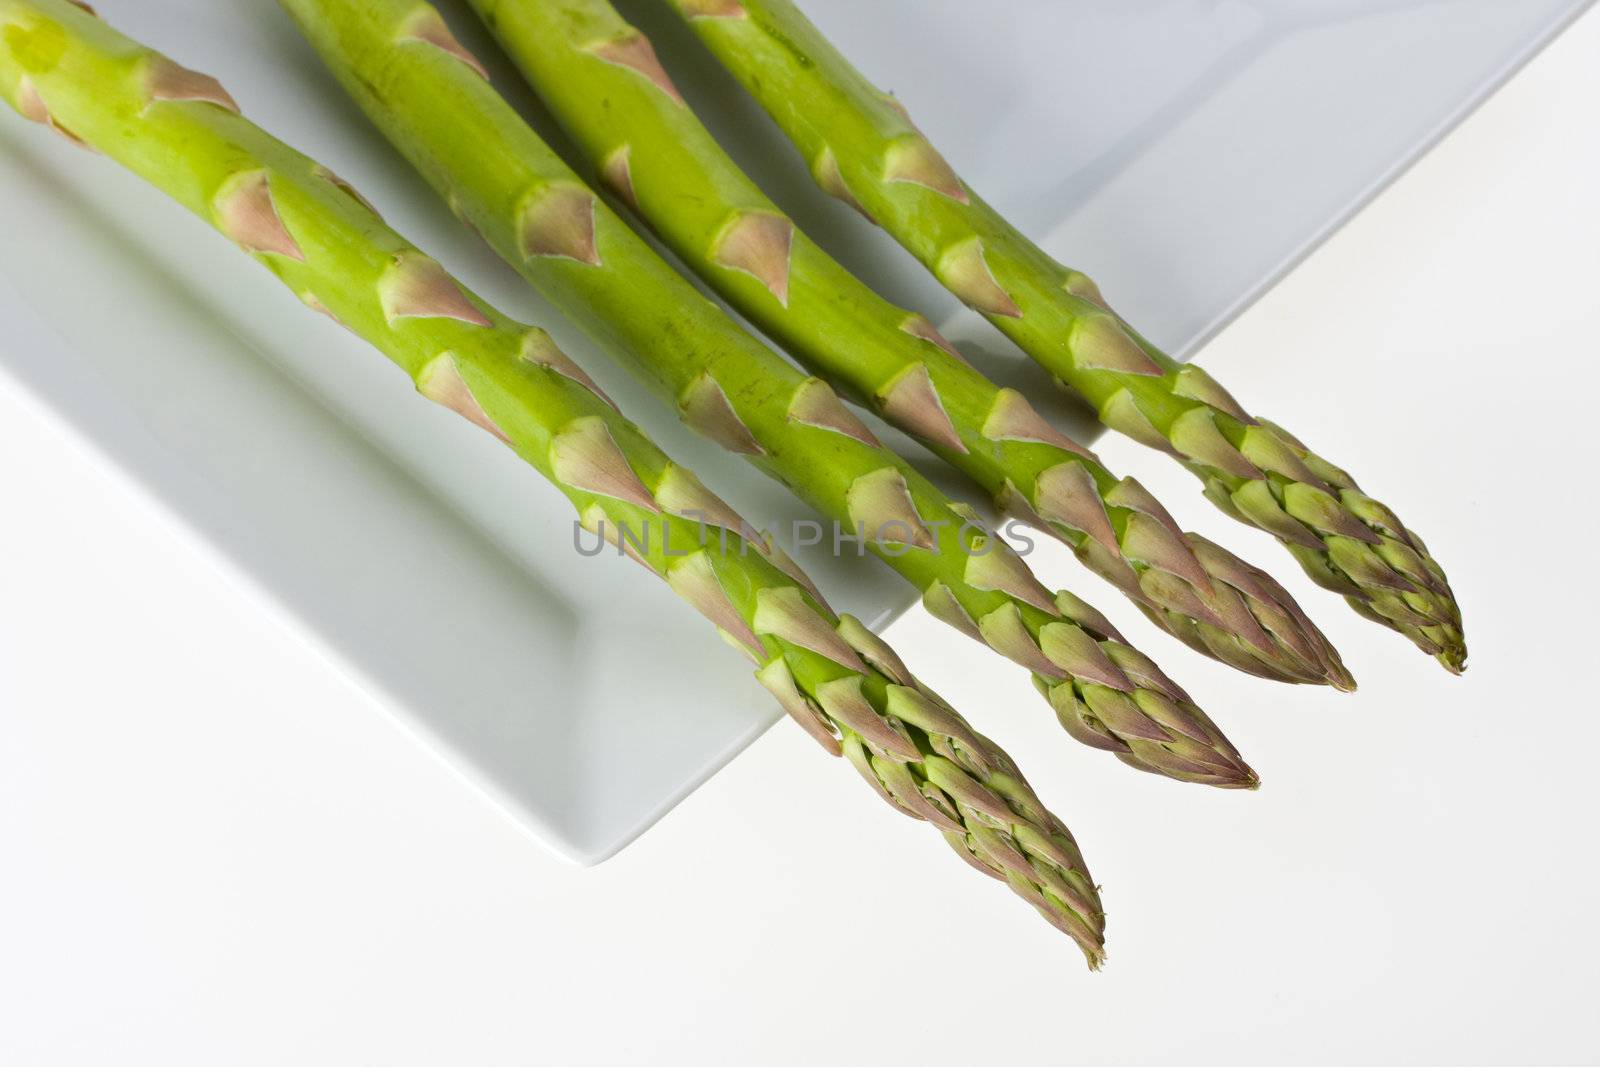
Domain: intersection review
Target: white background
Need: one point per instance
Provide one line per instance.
(213, 851)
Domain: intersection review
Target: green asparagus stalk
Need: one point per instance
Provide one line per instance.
(181, 131)
(863, 148)
(538, 214)
(640, 136)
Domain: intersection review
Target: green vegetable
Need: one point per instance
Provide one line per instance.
(663, 162)
(181, 131)
(863, 147)
(514, 190)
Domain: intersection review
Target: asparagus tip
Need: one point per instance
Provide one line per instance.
(1090, 937)
(1342, 680)
(1247, 780)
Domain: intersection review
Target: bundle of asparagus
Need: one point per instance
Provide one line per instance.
(863, 147)
(181, 131)
(638, 132)
(399, 61)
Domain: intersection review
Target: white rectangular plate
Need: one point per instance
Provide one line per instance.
(1187, 152)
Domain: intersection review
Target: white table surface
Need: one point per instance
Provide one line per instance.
(212, 851)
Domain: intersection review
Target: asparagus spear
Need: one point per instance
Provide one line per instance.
(662, 161)
(181, 131)
(397, 59)
(863, 147)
